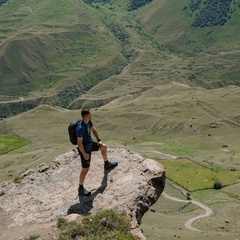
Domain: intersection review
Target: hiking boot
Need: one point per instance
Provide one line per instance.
(110, 165)
(84, 192)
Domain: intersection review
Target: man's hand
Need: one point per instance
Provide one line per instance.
(81, 148)
(86, 156)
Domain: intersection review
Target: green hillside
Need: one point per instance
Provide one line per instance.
(52, 48)
(194, 26)
(209, 55)
(55, 56)
(127, 62)
(174, 119)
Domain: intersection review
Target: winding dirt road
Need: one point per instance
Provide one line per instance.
(188, 223)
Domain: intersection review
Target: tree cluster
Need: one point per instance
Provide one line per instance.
(96, 1)
(210, 13)
(119, 32)
(195, 5)
(2, 2)
(135, 4)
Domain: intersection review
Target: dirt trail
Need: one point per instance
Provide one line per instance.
(165, 154)
(188, 223)
(139, 54)
(16, 99)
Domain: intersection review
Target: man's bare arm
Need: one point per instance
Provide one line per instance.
(95, 133)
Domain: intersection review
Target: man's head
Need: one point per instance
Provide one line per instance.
(86, 113)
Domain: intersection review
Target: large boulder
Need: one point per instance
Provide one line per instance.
(49, 192)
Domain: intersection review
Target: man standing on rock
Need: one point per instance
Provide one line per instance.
(86, 146)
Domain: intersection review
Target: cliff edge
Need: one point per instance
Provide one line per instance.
(50, 191)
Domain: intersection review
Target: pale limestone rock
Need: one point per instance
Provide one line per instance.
(50, 191)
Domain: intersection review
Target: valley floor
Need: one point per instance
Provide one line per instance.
(174, 218)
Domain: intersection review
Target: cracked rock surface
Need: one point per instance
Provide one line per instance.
(50, 191)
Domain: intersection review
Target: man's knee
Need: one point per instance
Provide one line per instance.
(103, 147)
(85, 170)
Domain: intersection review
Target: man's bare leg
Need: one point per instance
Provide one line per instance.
(83, 175)
(103, 149)
(107, 164)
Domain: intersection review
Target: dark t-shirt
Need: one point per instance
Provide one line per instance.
(83, 130)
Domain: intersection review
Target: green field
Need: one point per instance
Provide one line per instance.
(194, 177)
(11, 142)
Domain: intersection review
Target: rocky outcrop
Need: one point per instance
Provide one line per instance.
(50, 191)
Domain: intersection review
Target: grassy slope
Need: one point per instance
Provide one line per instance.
(181, 171)
(11, 142)
(174, 119)
(211, 54)
(172, 26)
(179, 115)
(173, 215)
(49, 52)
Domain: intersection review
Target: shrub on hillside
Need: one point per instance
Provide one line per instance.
(2, 2)
(135, 4)
(217, 185)
(210, 13)
(18, 178)
(103, 225)
(95, 1)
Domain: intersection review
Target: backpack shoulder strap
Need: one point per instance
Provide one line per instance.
(84, 126)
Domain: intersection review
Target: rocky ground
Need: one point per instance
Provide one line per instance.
(50, 191)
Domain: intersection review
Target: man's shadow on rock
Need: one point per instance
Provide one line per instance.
(86, 203)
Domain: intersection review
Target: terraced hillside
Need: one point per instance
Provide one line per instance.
(53, 49)
(55, 56)
(172, 119)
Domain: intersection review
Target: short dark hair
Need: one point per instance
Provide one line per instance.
(85, 112)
